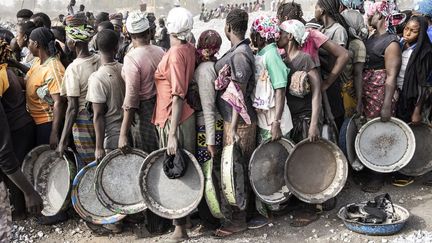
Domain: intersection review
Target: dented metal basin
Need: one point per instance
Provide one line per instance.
(266, 171)
(316, 171)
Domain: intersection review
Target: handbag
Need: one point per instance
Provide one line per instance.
(299, 86)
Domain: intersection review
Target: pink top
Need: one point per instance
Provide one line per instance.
(314, 41)
(138, 71)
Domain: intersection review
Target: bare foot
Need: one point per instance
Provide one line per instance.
(179, 234)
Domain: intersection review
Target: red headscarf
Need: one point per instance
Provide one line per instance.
(209, 44)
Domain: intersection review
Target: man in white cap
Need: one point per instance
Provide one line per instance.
(138, 72)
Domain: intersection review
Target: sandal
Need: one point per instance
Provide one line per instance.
(223, 233)
(258, 222)
(105, 230)
(402, 182)
(304, 217)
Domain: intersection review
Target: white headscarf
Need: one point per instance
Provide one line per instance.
(179, 23)
(137, 22)
(297, 29)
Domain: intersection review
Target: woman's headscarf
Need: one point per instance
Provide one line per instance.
(137, 23)
(357, 26)
(266, 27)
(45, 38)
(209, 44)
(386, 9)
(180, 23)
(297, 29)
(83, 33)
(76, 19)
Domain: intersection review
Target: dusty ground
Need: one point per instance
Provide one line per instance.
(416, 198)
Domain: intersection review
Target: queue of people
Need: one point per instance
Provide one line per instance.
(108, 85)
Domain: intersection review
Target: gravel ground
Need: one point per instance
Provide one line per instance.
(416, 198)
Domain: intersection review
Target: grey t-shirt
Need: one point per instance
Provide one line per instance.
(242, 63)
(106, 86)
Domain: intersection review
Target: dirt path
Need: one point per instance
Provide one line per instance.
(416, 198)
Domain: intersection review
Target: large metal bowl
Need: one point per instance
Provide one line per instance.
(117, 181)
(170, 198)
(85, 201)
(233, 176)
(421, 162)
(266, 171)
(347, 138)
(376, 229)
(212, 191)
(385, 147)
(52, 177)
(316, 171)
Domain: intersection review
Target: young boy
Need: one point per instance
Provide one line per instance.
(106, 92)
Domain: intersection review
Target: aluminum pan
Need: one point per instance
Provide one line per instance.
(266, 171)
(316, 171)
(385, 146)
(421, 163)
(170, 198)
(85, 201)
(117, 184)
(233, 177)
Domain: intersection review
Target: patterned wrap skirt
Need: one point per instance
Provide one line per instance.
(202, 153)
(144, 133)
(349, 98)
(84, 136)
(374, 93)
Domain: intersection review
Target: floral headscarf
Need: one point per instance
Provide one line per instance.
(386, 9)
(266, 27)
(83, 33)
(297, 29)
(209, 44)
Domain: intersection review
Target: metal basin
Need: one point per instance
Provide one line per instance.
(316, 171)
(376, 229)
(233, 177)
(52, 177)
(170, 198)
(85, 201)
(385, 147)
(211, 191)
(266, 171)
(421, 162)
(117, 182)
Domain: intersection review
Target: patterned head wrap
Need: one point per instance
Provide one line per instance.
(425, 7)
(76, 19)
(386, 9)
(137, 22)
(209, 44)
(83, 33)
(297, 29)
(352, 4)
(266, 27)
(180, 23)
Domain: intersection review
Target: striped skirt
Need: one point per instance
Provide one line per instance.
(84, 137)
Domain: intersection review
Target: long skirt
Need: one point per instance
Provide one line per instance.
(374, 93)
(202, 153)
(144, 133)
(84, 136)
